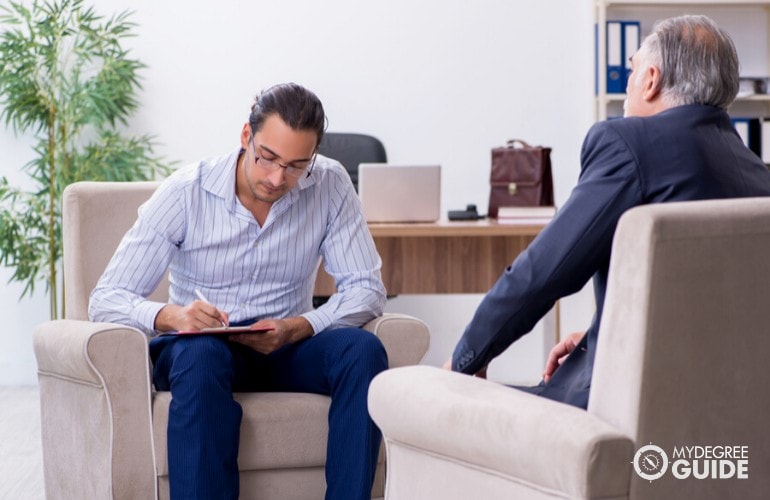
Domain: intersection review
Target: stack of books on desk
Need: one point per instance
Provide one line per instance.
(525, 215)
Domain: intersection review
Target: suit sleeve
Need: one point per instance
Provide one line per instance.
(563, 257)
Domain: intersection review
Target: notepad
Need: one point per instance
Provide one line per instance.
(221, 330)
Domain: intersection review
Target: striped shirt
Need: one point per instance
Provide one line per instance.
(195, 226)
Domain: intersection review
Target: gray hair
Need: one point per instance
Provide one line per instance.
(697, 60)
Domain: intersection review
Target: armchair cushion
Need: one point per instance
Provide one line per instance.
(514, 435)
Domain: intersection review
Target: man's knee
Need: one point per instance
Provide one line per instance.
(200, 346)
(363, 348)
(202, 356)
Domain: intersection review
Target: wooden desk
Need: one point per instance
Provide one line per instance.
(443, 257)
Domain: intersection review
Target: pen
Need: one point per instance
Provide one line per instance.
(204, 299)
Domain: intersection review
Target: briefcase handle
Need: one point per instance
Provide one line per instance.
(512, 143)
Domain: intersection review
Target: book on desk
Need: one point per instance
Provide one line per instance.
(525, 215)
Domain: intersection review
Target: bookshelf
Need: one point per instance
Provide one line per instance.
(747, 21)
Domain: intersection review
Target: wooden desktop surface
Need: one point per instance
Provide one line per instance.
(443, 257)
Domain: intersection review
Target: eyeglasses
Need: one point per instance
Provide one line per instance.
(271, 165)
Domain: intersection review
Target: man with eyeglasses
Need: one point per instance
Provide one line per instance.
(242, 236)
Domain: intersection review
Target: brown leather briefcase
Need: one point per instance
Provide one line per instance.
(520, 177)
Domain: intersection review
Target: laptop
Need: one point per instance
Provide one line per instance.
(400, 193)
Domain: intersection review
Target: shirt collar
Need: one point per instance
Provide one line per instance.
(218, 178)
(218, 175)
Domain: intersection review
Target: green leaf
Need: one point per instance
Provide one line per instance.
(65, 78)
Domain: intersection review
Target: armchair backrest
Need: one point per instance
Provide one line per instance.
(95, 216)
(684, 338)
(351, 150)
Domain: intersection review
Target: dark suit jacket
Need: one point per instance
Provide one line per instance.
(689, 152)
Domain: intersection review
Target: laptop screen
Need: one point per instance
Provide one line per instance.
(400, 193)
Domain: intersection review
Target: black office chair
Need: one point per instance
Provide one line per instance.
(351, 150)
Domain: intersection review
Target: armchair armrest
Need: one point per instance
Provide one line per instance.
(92, 377)
(406, 339)
(488, 426)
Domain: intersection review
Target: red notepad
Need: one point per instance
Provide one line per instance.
(221, 330)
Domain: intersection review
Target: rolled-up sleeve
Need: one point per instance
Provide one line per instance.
(139, 263)
(351, 258)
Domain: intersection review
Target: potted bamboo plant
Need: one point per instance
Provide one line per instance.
(65, 78)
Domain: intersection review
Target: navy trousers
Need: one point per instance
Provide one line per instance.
(202, 372)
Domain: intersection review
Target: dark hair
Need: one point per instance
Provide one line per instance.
(297, 106)
(697, 60)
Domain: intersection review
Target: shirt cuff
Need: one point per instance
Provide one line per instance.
(144, 314)
(318, 320)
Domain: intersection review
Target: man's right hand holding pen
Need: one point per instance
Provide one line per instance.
(195, 316)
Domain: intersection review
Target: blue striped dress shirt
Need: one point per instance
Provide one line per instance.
(195, 226)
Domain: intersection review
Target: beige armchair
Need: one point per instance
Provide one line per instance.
(103, 425)
(681, 361)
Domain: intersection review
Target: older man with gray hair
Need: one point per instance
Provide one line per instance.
(675, 143)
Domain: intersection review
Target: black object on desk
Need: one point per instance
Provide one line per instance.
(470, 213)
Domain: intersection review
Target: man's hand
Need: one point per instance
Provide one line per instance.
(280, 332)
(480, 374)
(560, 352)
(192, 317)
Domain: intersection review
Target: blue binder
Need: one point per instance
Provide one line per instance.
(631, 43)
(615, 66)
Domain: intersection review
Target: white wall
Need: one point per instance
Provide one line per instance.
(436, 80)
